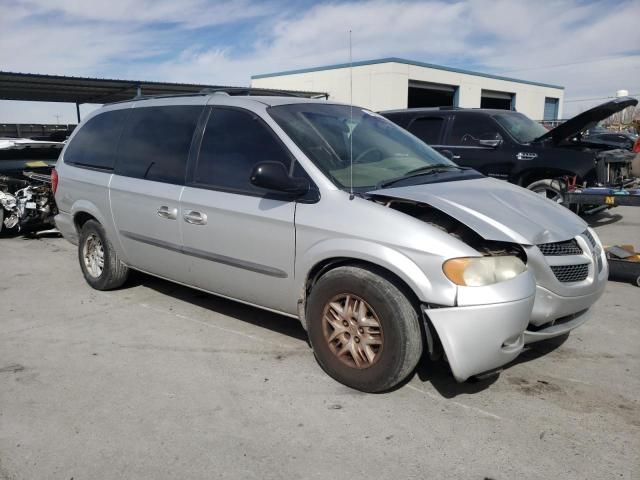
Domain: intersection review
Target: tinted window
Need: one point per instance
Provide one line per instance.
(234, 142)
(155, 143)
(427, 129)
(95, 143)
(468, 130)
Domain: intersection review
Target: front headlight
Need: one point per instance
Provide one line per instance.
(481, 271)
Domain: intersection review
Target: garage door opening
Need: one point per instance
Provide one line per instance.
(424, 94)
(497, 100)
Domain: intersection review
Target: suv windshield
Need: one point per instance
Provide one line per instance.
(382, 151)
(521, 127)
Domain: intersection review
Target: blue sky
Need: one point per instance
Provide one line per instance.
(592, 48)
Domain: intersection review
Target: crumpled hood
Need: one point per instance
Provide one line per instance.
(496, 210)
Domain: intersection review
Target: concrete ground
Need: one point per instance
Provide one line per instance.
(157, 381)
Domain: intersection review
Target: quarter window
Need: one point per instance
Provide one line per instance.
(234, 142)
(95, 143)
(155, 143)
(427, 129)
(468, 130)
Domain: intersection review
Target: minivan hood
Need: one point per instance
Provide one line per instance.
(586, 120)
(496, 210)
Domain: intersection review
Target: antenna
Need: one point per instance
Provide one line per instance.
(350, 120)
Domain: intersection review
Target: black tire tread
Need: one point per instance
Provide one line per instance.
(115, 273)
(409, 349)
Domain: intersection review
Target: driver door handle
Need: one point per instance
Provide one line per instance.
(195, 218)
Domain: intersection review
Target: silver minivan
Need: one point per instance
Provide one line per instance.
(383, 248)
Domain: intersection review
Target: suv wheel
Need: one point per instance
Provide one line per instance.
(364, 331)
(551, 189)
(101, 267)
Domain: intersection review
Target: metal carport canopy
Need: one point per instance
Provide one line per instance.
(78, 90)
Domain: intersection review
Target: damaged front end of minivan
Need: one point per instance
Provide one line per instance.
(537, 273)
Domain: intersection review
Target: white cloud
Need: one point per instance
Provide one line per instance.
(523, 39)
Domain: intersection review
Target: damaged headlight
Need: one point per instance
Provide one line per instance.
(481, 271)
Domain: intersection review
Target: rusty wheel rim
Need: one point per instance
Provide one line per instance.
(352, 331)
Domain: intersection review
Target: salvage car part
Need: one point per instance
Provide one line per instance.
(26, 198)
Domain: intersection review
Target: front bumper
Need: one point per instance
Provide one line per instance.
(480, 338)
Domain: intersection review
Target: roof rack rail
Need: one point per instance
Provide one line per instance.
(230, 91)
(258, 91)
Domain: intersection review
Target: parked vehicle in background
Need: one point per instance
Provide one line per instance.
(510, 146)
(331, 214)
(26, 197)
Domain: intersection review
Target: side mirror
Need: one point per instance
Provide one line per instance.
(274, 176)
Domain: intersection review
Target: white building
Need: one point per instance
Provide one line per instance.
(392, 83)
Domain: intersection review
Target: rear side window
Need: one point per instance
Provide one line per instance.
(468, 130)
(95, 143)
(427, 129)
(234, 142)
(155, 143)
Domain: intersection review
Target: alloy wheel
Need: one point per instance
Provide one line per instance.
(352, 331)
(93, 255)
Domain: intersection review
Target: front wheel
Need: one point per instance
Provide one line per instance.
(101, 267)
(364, 331)
(548, 188)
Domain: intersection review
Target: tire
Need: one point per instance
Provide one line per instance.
(386, 353)
(109, 273)
(551, 189)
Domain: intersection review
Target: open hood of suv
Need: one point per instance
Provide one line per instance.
(586, 120)
(496, 210)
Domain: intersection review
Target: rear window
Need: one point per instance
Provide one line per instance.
(95, 143)
(155, 143)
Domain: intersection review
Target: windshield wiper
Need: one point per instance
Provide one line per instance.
(425, 170)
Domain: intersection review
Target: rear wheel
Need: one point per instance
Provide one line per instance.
(101, 267)
(364, 331)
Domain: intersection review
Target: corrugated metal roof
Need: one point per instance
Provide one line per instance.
(57, 88)
(405, 62)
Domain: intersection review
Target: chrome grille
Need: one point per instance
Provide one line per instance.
(568, 247)
(571, 273)
(592, 240)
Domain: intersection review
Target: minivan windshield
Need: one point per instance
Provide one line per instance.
(520, 127)
(382, 151)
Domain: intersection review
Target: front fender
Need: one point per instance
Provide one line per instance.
(422, 272)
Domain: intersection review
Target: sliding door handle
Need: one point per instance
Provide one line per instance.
(195, 218)
(168, 213)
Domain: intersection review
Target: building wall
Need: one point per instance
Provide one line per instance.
(384, 86)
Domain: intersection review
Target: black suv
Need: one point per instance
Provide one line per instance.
(510, 146)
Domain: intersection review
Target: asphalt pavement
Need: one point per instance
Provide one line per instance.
(158, 381)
